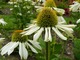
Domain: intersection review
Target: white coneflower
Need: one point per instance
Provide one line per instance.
(2, 22)
(48, 3)
(46, 22)
(51, 4)
(75, 7)
(59, 10)
(78, 21)
(23, 42)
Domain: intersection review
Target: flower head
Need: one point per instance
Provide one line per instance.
(51, 4)
(23, 42)
(47, 18)
(16, 36)
(47, 22)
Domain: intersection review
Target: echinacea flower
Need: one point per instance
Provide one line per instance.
(47, 3)
(47, 22)
(75, 7)
(51, 4)
(22, 42)
(2, 22)
(78, 21)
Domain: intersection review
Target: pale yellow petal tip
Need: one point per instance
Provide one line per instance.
(65, 39)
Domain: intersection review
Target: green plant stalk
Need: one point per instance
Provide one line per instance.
(47, 51)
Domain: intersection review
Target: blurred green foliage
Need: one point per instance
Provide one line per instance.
(23, 12)
(77, 48)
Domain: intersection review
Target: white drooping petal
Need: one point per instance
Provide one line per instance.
(59, 10)
(50, 37)
(61, 20)
(20, 50)
(2, 21)
(66, 30)
(23, 51)
(78, 21)
(32, 48)
(59, 33)
(30, 26)
(69, 26)
(15, 44)
(30, 31)
(46, 35)
(35, 44)
(37, 35)
(5, 49)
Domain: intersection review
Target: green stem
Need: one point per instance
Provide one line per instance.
(47, 51)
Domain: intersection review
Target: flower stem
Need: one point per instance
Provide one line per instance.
(47, 51)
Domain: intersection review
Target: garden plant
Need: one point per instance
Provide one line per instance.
(40, 30)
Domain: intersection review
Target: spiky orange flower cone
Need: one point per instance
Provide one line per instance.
(17, 37)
